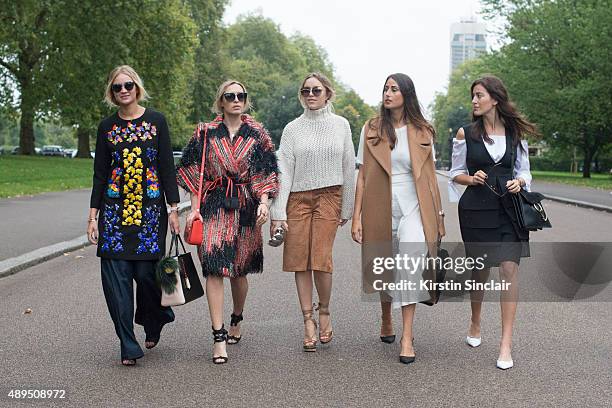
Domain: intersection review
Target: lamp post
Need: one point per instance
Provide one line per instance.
(450, 148)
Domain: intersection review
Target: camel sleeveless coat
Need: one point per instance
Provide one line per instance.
(376, 204)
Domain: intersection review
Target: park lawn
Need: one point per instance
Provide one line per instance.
(27, 175)
(601, 181)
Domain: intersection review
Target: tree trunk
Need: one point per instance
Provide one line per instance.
(83, 143)
(586, 165)
(26, 125)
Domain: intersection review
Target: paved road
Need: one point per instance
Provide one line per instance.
(584, 194)
(31, 222)
(587, 194)
(562, 350)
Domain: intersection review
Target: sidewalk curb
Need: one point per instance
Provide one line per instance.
(16, 264)
(563, 200)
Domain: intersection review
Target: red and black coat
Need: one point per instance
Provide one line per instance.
(237, 173)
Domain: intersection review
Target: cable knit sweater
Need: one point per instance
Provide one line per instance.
(316, 151)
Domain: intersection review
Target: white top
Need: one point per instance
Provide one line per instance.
(316, 151)
(496, 150)
(400, 155)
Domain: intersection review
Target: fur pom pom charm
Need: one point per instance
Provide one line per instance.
(165, 274)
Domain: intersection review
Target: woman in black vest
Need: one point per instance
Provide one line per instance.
(490, 157)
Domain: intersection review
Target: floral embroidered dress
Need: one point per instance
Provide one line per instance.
(236, 174)
(133, 178)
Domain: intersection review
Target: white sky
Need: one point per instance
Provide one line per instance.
(369, 39)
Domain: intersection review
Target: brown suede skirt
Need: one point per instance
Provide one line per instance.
(312, 218)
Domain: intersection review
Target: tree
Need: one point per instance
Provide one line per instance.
(211, 57)
(159, 45)
(27, 39)
(452, 109)
(557, 63)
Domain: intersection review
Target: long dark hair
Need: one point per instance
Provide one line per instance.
(411, 112)
(512, 119)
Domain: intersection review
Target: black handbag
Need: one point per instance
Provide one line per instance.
(174, 267)
(529, 210)
(440, 274)
(530, 213)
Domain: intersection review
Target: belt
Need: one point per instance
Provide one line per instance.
(232, 190)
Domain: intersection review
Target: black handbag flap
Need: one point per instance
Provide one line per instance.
(532, 197)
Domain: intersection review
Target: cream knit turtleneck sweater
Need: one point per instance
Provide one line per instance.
(316, 151)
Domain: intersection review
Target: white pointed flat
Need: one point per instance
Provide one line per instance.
(473, 341)
(504, 365)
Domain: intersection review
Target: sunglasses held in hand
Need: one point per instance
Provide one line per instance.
(129, 85)
(232, 96)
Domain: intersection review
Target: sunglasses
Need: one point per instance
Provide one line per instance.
(129, 85)
(232, 96)
(311, 91)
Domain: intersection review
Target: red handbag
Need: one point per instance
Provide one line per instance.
(194, 232)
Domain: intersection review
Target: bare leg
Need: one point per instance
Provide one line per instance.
(214, 296)
(476, 297)
(240, 288)
(323, 283)
(407, 335)
(303, 283)
(508, 271)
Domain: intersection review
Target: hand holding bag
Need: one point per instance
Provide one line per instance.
(194, 231)
(178, 277)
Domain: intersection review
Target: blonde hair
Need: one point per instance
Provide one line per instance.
(331, 93)
(109, 95)
(217, 106)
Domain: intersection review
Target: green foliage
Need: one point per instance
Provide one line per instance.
(557, 63)
(181, 50)
(452, 109)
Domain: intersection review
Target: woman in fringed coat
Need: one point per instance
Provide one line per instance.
(240, 177)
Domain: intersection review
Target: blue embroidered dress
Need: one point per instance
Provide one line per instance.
(134, 177)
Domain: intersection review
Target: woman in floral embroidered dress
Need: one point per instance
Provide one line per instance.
(240, 177)
(134, 177)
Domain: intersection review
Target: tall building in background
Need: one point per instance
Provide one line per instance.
(467, 41)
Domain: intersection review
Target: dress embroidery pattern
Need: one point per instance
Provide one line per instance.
(152, 183)
(149, 234)
(111, 236)
(132, 187)
(113, 182)
(132, 133)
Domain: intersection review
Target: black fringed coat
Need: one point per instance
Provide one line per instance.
(239, 171)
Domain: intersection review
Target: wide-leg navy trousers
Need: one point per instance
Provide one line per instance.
(118, 278)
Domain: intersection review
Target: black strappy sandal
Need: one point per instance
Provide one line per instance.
(234, 322)
(219, 336)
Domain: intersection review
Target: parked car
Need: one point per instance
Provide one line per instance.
(70, 152)
(52, 150)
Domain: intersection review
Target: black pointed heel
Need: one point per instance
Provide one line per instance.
(406, 359)
(234, 322)
(388, 339)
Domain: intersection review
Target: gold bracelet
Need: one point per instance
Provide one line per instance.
(92, 219)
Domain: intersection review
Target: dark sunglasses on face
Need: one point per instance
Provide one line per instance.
(129, 85)
(232, 96)
(311, 91)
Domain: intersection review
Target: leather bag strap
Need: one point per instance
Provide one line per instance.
(201, 170)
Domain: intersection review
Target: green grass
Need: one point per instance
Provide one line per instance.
(25, 175)
(601, 181)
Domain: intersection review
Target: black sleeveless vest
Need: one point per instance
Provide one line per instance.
(480, 197)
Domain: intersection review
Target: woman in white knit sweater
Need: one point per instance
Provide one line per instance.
(317, 170)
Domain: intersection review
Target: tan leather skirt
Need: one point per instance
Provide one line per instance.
(312, 217)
